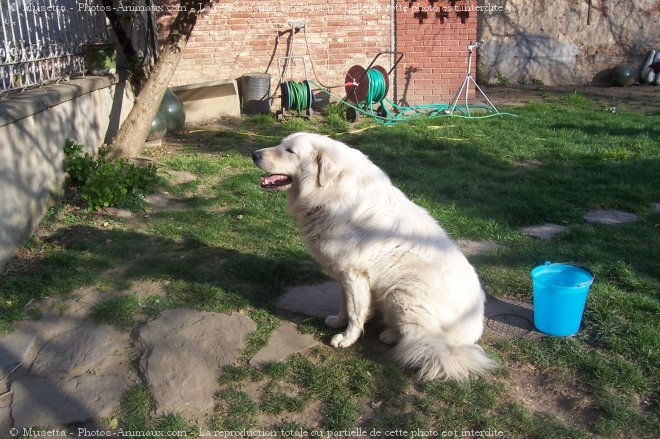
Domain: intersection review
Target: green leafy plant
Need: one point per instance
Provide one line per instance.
(536, 81)
(501, 79)
(104, 182)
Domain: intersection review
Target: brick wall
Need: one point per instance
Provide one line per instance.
(233, 38)
(433, 35)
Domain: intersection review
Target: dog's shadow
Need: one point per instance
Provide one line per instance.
(509, 318)
(504, 318)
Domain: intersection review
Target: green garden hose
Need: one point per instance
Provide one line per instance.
(297, 96)
(377, 86)
(384, 111)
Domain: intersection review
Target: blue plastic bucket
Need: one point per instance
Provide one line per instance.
(560, 294)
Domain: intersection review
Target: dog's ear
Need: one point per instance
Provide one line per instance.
(328, 169)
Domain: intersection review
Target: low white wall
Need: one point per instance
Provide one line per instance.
(33, 128)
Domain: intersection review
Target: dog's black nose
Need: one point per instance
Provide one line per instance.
(255, 156)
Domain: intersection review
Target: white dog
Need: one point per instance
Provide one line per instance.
(383, 250)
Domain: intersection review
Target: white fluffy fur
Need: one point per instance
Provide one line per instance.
(384, 251)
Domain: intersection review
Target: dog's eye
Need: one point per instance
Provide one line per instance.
(290, 151)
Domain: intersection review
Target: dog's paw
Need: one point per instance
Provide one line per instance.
(335, 322)
(341, 341)
(390, 336)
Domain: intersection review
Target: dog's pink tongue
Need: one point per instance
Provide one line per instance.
(274, 180)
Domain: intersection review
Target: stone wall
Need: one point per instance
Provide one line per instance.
(33, 127)
(559, 42)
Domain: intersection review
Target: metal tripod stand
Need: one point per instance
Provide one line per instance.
(466, 86)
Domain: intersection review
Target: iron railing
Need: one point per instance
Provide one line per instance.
(42, 40)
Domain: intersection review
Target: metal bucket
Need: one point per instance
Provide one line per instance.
(255, 89)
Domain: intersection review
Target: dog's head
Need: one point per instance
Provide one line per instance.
(299, 158)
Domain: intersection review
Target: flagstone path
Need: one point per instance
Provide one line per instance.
(66, 369)
(545, 231)
(609, 217)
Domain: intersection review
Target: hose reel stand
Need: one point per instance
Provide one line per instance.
(295, 96)
(365, 87)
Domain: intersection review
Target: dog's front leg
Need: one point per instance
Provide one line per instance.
(357, 297)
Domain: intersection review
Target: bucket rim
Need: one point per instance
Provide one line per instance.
(547, 264)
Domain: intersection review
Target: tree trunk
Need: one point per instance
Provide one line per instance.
(129, 141)
(125, 42)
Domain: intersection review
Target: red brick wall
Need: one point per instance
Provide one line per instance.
(233, 38)
(435, 49)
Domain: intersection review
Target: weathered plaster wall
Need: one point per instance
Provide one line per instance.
(550, 40)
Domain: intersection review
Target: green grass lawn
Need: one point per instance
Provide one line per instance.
(235, 247)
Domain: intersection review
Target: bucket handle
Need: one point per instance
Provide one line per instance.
(581, 284)
(589, 282)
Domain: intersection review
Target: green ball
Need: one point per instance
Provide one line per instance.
(622, 76)
(172, 109)
(158, 128)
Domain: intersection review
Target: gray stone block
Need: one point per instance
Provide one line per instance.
(474, 248)
(544, 231)
(183, 353)
(284, 341)
(312, 300)
(14, 348)
(79, 350)
(41, 401)
(609, 217)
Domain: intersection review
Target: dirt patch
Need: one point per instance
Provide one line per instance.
(24, 261)
(641, 98)
(163, 149)
(544, 393)
(78, 304)
(308, 418)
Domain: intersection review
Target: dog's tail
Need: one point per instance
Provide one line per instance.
(435, 357)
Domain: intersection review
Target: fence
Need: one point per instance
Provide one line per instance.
(42, 40)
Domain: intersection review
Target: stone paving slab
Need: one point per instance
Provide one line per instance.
(75, 352)
(14, 348)
(284, 341)
(5, 410)
(183, 352)
(545, 231)
(312, 300)
(609, 217)
(41, 401)
(474, 248)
